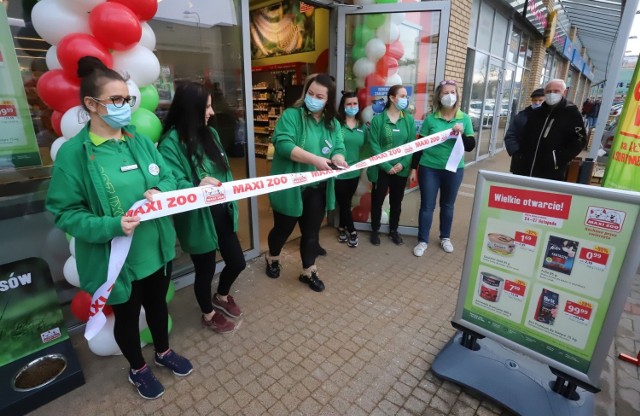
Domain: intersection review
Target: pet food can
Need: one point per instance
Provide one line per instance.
(501, 244)
(490, 287)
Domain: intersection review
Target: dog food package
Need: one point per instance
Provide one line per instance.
(547, 307)
(560, 254)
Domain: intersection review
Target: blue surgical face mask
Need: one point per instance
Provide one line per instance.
(402, 103)
(351, 111)
(313, 104)
(117, 117)
(534, 105)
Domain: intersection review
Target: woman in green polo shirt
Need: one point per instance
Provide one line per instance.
(307, 138)
(97, 176)
(432, 173)
(353, 133)
(391, 128)
(197, 158)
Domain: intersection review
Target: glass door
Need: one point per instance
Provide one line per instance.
(505, 109)
(381, 45)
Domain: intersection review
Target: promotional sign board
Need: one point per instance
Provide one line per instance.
(18, 145)
(547, 268)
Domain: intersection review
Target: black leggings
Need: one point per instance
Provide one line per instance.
(345, 189)
(205, 264)
(151, 293)
(313, 211)
(396, 185)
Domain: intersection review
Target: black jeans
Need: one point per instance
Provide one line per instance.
(205, 264)
(345, 189)
(313, 211)
(151, 293)
(395, 184)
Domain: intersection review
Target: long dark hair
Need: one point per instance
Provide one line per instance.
(94, 75)
(392, 92)
(327, 81)
(186, 116)
(342, 116)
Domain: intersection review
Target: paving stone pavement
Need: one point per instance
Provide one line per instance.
(362, 347)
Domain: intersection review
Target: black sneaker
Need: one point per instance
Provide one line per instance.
(353, 239)
(313, 281)
(396, 238)
(273, 268)
(321, 251)
(342, 235)
(374, 238)
(147, 384)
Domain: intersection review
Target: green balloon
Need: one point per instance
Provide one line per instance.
(147, 124)
(362, 34)
(374, 21)
(358, 52)
(149, 98)
(145, 334)
(170, 291)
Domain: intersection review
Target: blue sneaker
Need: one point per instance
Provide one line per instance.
(147, 384)
(174, 362)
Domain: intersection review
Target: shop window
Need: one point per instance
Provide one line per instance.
(473, 29)
(479, 111)
(522, 51)
(499, 39)
(514, 47)
(485, 27)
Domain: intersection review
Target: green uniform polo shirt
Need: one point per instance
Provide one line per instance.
(436, 157)
(384, 135)
(353, 142)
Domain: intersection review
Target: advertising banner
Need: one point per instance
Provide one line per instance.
(18, 145)
(543, 266)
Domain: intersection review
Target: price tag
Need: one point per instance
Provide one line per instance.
(515, 289)
(579, 310)
(593, 259)
(526, 240)
(8, 110)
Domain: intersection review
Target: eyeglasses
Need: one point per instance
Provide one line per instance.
(447, 82)
(117, 100)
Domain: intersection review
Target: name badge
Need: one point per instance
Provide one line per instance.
(325, 150)
(154, 169)
(128, 168)
(396, 130)
(359, 130)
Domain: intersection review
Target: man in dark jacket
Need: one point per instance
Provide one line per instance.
(513, 136)
(552, 136)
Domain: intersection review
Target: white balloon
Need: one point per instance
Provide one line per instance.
(134, 91)
(52, 58)
(384, 218)
(394, 80)
(388, 33)
(363, 67)
(363, 188)
(375, 49)
(139, 62)
(73, 120)
(397, 18)
(70, 272)
(72, 246)
(80, 6)
(104, 343)
(46, 12)
(360, 82)
(148, 39)
(55, 146)
(367, 114)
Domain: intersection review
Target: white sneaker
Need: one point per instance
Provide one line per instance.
(446, 245)
(419, 250)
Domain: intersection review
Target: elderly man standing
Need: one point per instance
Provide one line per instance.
(553, 135)
(514, 135)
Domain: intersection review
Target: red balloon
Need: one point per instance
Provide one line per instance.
(80, 305)
(322, 63)
(59, 91)
(395, 49)
(76, 45)
(360, 214)
(56, 118)
(374, 80)
(365, 201)
(106, 17)
(387, 66)
(363, 97)
(144, 9)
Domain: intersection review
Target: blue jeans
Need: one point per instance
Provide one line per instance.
(430, 181)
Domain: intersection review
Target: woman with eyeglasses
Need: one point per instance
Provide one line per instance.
(353, 133)
(391, 128)
(307, 138)
(432, 175)
(195, 154)
(97, 176)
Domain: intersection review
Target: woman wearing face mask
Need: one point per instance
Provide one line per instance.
(353, 132)
(97, 176)
(307, 138)
(194, 152)
(391, 128)
(433, 177)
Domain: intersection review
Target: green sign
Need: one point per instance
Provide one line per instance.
(18, 145)
(542, 267)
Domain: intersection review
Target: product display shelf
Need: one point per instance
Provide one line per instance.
(267, 107)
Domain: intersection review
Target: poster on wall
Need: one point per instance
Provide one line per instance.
(542, 268)
(284, 28)
(18, 144)
(164, 84)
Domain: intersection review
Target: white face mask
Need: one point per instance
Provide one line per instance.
(552, 98)
(448, 100)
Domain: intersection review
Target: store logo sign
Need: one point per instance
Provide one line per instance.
(604, 218)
